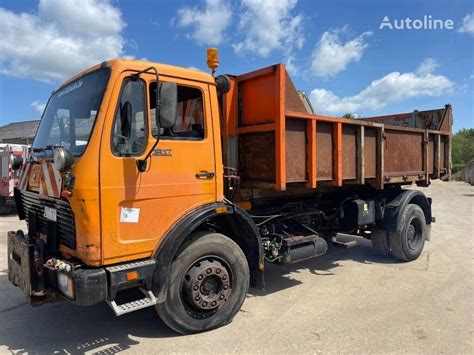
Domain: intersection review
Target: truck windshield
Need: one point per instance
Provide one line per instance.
(71, 112)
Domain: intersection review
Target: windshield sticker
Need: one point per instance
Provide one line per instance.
(69, 88)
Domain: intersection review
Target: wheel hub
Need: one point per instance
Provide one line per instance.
(207, 284)
(412, 235)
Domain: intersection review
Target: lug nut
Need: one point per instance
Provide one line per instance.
(200, 277)
(195, 288)
(197, 298)
(204, 304)
(221, 297)
(214, 303)
(224, 277)
(218, 271)
(226, 287)
(208, 271)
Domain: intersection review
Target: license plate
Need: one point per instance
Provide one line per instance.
(50, 213)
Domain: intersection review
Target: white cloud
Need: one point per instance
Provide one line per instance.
(63, 38)
(467, 24)
(427, 66)
(38, 106)
(208, 23)
(194, 68)
(393, 87)
(332, 55)
(291, 67)
(269, 25)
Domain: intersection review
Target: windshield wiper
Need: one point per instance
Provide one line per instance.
(48, 147)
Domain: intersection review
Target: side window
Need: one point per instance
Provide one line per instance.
(130, 129)
(190, 122)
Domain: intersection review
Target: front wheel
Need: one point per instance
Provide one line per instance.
(407, 242)
(207, 285)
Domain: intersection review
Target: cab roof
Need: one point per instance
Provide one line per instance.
(121, 64)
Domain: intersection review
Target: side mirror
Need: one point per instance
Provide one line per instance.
(15, 161)
(222, 84)
(126, 119)
(168, 105)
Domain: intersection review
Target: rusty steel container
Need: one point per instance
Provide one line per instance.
(275, 143)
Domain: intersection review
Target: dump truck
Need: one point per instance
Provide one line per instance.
(178, 186)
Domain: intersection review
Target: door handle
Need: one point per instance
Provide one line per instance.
(204, 175)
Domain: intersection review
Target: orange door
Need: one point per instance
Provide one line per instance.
(139, 207)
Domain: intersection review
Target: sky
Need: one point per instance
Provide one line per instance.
(361, 57)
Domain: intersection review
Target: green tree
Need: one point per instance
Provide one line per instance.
(463, 147)
(349, 116)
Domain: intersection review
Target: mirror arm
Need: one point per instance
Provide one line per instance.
(142, 163)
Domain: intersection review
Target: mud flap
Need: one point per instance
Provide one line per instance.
(20, 257)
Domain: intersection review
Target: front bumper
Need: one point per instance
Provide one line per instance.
(41, 277)
(26, 270)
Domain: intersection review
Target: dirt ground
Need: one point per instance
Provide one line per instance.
(345, 301)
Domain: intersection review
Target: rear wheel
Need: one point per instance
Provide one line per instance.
(408, 240)
(380, 242)
(6, 209)
(207, 284)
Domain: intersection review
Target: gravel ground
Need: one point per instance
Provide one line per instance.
(347, 301)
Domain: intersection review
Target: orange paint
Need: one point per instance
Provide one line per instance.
(280, 155)
(337, 139)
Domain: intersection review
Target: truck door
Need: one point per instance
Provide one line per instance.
(139, 207)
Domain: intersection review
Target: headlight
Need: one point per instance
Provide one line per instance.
(63, 159)
(65, 284)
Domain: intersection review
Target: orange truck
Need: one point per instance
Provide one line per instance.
(178, 186)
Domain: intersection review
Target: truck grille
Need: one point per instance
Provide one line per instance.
(32, 202)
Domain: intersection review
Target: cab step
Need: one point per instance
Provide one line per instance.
(148, 301)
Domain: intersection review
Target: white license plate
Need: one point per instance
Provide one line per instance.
(50, 213)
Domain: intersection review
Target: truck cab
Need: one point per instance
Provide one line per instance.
(105, 118)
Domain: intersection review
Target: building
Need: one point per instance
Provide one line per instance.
(19, 132)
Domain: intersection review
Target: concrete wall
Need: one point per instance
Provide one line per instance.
(468, 173)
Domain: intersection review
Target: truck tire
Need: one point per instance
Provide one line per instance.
(408, 240)
(208, 282)
(380, 242)
(6, 210)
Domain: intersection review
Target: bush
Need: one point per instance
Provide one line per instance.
(463, 147)
(457, 166)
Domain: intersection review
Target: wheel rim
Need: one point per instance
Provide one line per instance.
(206, 286)
(414, 234)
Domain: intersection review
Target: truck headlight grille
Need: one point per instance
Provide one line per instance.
(34, 203)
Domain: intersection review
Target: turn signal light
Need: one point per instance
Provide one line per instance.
(132, 275)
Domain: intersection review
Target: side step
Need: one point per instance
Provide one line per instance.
(148, 301)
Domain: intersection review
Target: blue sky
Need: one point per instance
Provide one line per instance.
(334, 50)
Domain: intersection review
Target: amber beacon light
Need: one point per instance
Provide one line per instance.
(212, 59)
